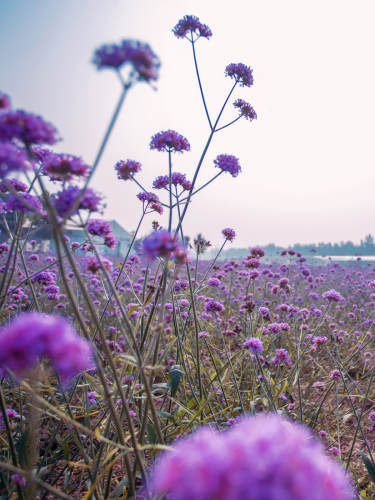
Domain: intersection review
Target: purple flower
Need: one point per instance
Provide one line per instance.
(228, 233)
(262, 457)
(335, 375)
(254, 344)
(103, 229)
(333, 296)
(31, 336)
(241, 73)
(10, 184)
(93, 265)
(228, 163)
(148, 197)
(281, 357)
(170, 141)
(127, 169)
(143, 61)
(64, 200)
(214, 306)
(63, 167)
(12, 159)
(160, 244)
(5, 102)
(245, 109)
(192, 25)
(25, 202)
(27, 127)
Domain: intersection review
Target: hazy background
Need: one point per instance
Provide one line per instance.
(308, 161)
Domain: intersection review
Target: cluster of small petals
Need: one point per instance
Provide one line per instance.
(12, 159)
(254, 344)
(228, 163)
(245, 109)
(144, 62)
(5, 102)
(257, 252)
(26, 127)
(25, 202)
(169, 140)
(213, 306)
(335, 375)
(228, 233)
(147, 197)
(281, 357)
(63, 167)
(160, 244)
(102, 228)
(241, 73)
(12, 185)
(64, 200)
(32, 336)
(333, 296)
(262, 457)
(127, 169)
(177, 179)
(93, 264)
(191, 24)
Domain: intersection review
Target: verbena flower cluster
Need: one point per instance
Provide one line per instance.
(170, 141)
(33, 336)
(191, 25)
(264, 457)
(143, 61)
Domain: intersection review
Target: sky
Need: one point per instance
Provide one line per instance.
(307, 161)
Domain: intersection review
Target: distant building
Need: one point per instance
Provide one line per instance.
(42, 234)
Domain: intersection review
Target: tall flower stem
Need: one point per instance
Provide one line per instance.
(203, 155)
(100, 152)
(170, 191)
(200, 84)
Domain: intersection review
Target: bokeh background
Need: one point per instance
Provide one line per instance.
(308, 161)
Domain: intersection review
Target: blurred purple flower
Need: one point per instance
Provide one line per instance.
(127, 169)
(263, 457)
(32, 335)
(143, 61)
(26, 127)
(12, 159)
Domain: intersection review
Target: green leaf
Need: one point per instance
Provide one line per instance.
(369, 465)
(175, 377)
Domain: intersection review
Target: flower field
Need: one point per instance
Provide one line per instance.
(158, 374)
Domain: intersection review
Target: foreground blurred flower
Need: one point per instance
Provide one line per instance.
(241, 73)
(63, 167)
(26, 127)
(144, 62)
(263, 457)
(228, 163)
(170, 141)
(162, 244)
(12, 159)
(32, 336)
(127, 169)
(192, 25)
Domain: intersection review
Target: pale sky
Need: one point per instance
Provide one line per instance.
(307, 162)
